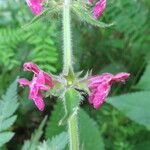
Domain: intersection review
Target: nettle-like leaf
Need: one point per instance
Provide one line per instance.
(136, 106)
(8, 105)
(58, 142)
(71, 102)
(89, 135)
(144, 82)
(32, 144)
(82, 12)
(53, 128)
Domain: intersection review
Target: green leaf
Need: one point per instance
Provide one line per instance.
(71, 102)
(44, 47)
(33, 143)
(144, 82)
(89, 134)
(90, 137)
(86, 16)
(5, 137)
(8, 106)
(136, 106)
(58, 142)
(53, 128)
(5, 124)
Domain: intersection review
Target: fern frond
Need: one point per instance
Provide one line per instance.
(58, 142)
(8, 105)
(44, 52)
(34, 141)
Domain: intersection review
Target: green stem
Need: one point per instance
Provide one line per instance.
(73, 132)
(68, 70)
(67, 38)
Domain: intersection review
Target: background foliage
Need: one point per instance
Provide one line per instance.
(122, 47)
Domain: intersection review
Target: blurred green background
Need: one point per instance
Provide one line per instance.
(122, 47)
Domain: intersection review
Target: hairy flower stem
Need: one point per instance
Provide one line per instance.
(68, 71)
(67, 38)
(73, 133)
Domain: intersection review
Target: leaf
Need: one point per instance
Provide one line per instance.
(71, 103)
(58, 142)
(44, 47)
(89, 134)
(5, 137)
(90, 137)
(86, 16)
(8, 106)
(136, 106)
(144, 82)
(7, 123)
(53, 127)
(33, 143)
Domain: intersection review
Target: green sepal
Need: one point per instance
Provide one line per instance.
(45, 13)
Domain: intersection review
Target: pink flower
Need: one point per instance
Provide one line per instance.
(99, 8)
(100, 86)
(35, 6)
(41, 81)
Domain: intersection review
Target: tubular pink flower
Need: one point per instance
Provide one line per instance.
(41, 81)
(100, 87)
(99, 8)
(35, 6)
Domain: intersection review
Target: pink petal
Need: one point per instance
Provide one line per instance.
(40, 77)
(33, 91)
(23, 82)
(101, 94)
(44, 78)
(96, 80)
(35, 6)
(99, 8)
(43, 87)
(29, 66)
(39, 102)
(120, 77)
(48, 80)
